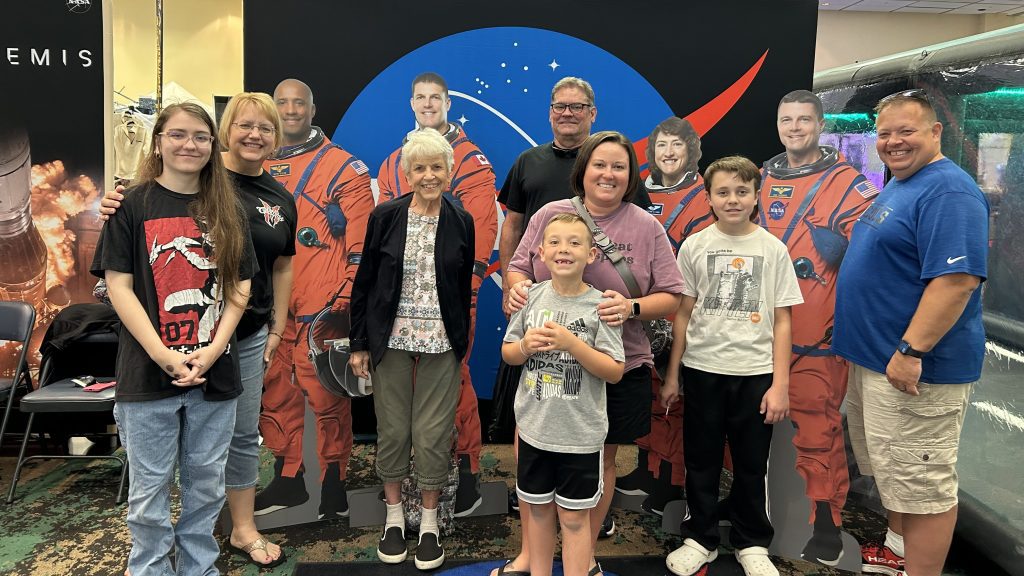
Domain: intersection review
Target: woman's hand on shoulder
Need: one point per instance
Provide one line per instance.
(614, 309)
(517, 295)
(110, 202)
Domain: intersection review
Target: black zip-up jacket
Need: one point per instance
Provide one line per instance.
(378, 284)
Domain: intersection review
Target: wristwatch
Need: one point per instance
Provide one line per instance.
(907, 350)
(636, 308)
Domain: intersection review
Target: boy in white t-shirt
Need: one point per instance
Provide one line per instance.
(733, 323)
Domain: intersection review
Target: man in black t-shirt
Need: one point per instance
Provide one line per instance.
(541, 174)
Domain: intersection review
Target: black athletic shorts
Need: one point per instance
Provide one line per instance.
(573, 481)
(629, 406)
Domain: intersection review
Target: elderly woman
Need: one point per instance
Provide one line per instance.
(410, 330)
(606, 177)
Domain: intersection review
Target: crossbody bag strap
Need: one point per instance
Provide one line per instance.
(609, 249)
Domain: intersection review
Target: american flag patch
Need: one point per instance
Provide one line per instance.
(359, 167)
(865, 189)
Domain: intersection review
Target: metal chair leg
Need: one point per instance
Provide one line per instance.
(124, 477)
(7, 412)
(10, 399)
(21, 457)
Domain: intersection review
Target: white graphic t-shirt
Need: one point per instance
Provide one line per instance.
(738, 281)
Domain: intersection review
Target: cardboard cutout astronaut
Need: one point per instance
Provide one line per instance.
(810, 198)
(334, 200)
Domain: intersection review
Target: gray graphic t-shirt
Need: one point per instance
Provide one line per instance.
(559, 406)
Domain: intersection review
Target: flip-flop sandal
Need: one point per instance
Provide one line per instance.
(257, 544)
(595, 570)
(503, 572)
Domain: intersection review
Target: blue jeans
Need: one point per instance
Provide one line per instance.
(194, 434)
(244, 455)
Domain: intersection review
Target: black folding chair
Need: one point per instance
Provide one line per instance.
(16, 321)
(94, 353)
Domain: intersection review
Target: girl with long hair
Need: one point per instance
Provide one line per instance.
(177, 258)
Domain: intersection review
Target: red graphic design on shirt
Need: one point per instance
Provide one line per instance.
(185, 283)
(271, 214)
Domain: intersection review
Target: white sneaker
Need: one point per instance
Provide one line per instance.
(688, 558)
(755, 562)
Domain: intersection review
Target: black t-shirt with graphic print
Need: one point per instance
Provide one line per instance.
(153, 238)
(272, 221)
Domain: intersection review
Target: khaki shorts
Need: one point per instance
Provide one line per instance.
(908, 443)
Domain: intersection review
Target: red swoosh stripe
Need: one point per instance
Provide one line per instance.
(704, 118)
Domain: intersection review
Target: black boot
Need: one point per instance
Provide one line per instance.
(638, 482)
(662, 490)
(282, 492)
(333, 498)
(467, 497)
(826, 543)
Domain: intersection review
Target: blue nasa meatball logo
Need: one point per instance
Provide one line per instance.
(499, 81)
(777, 210)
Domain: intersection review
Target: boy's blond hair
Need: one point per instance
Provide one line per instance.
(569, 218)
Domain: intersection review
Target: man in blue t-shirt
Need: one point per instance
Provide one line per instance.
(908, 318)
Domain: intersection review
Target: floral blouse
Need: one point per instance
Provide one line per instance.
(418, 326)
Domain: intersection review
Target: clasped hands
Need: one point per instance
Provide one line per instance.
(187, 369)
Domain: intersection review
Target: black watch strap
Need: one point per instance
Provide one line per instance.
(907, 350)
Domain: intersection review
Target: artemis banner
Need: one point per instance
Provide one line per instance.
(53, 111)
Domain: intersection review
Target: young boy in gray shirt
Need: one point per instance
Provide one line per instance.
(567, 355)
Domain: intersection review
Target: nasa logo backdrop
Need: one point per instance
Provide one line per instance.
(724, 65)
(52, 113)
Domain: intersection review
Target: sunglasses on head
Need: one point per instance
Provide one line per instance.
(914, 93)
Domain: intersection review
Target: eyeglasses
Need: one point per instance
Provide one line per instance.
(247, 128)
(918, 94)
(180, 138)
(575, 107)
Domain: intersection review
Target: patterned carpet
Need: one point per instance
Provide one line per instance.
(64, 522)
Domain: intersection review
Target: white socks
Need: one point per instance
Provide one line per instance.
(395, 516)
(428, 520)
(895, 543)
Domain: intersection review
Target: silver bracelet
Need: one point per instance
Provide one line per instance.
(522, 348)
